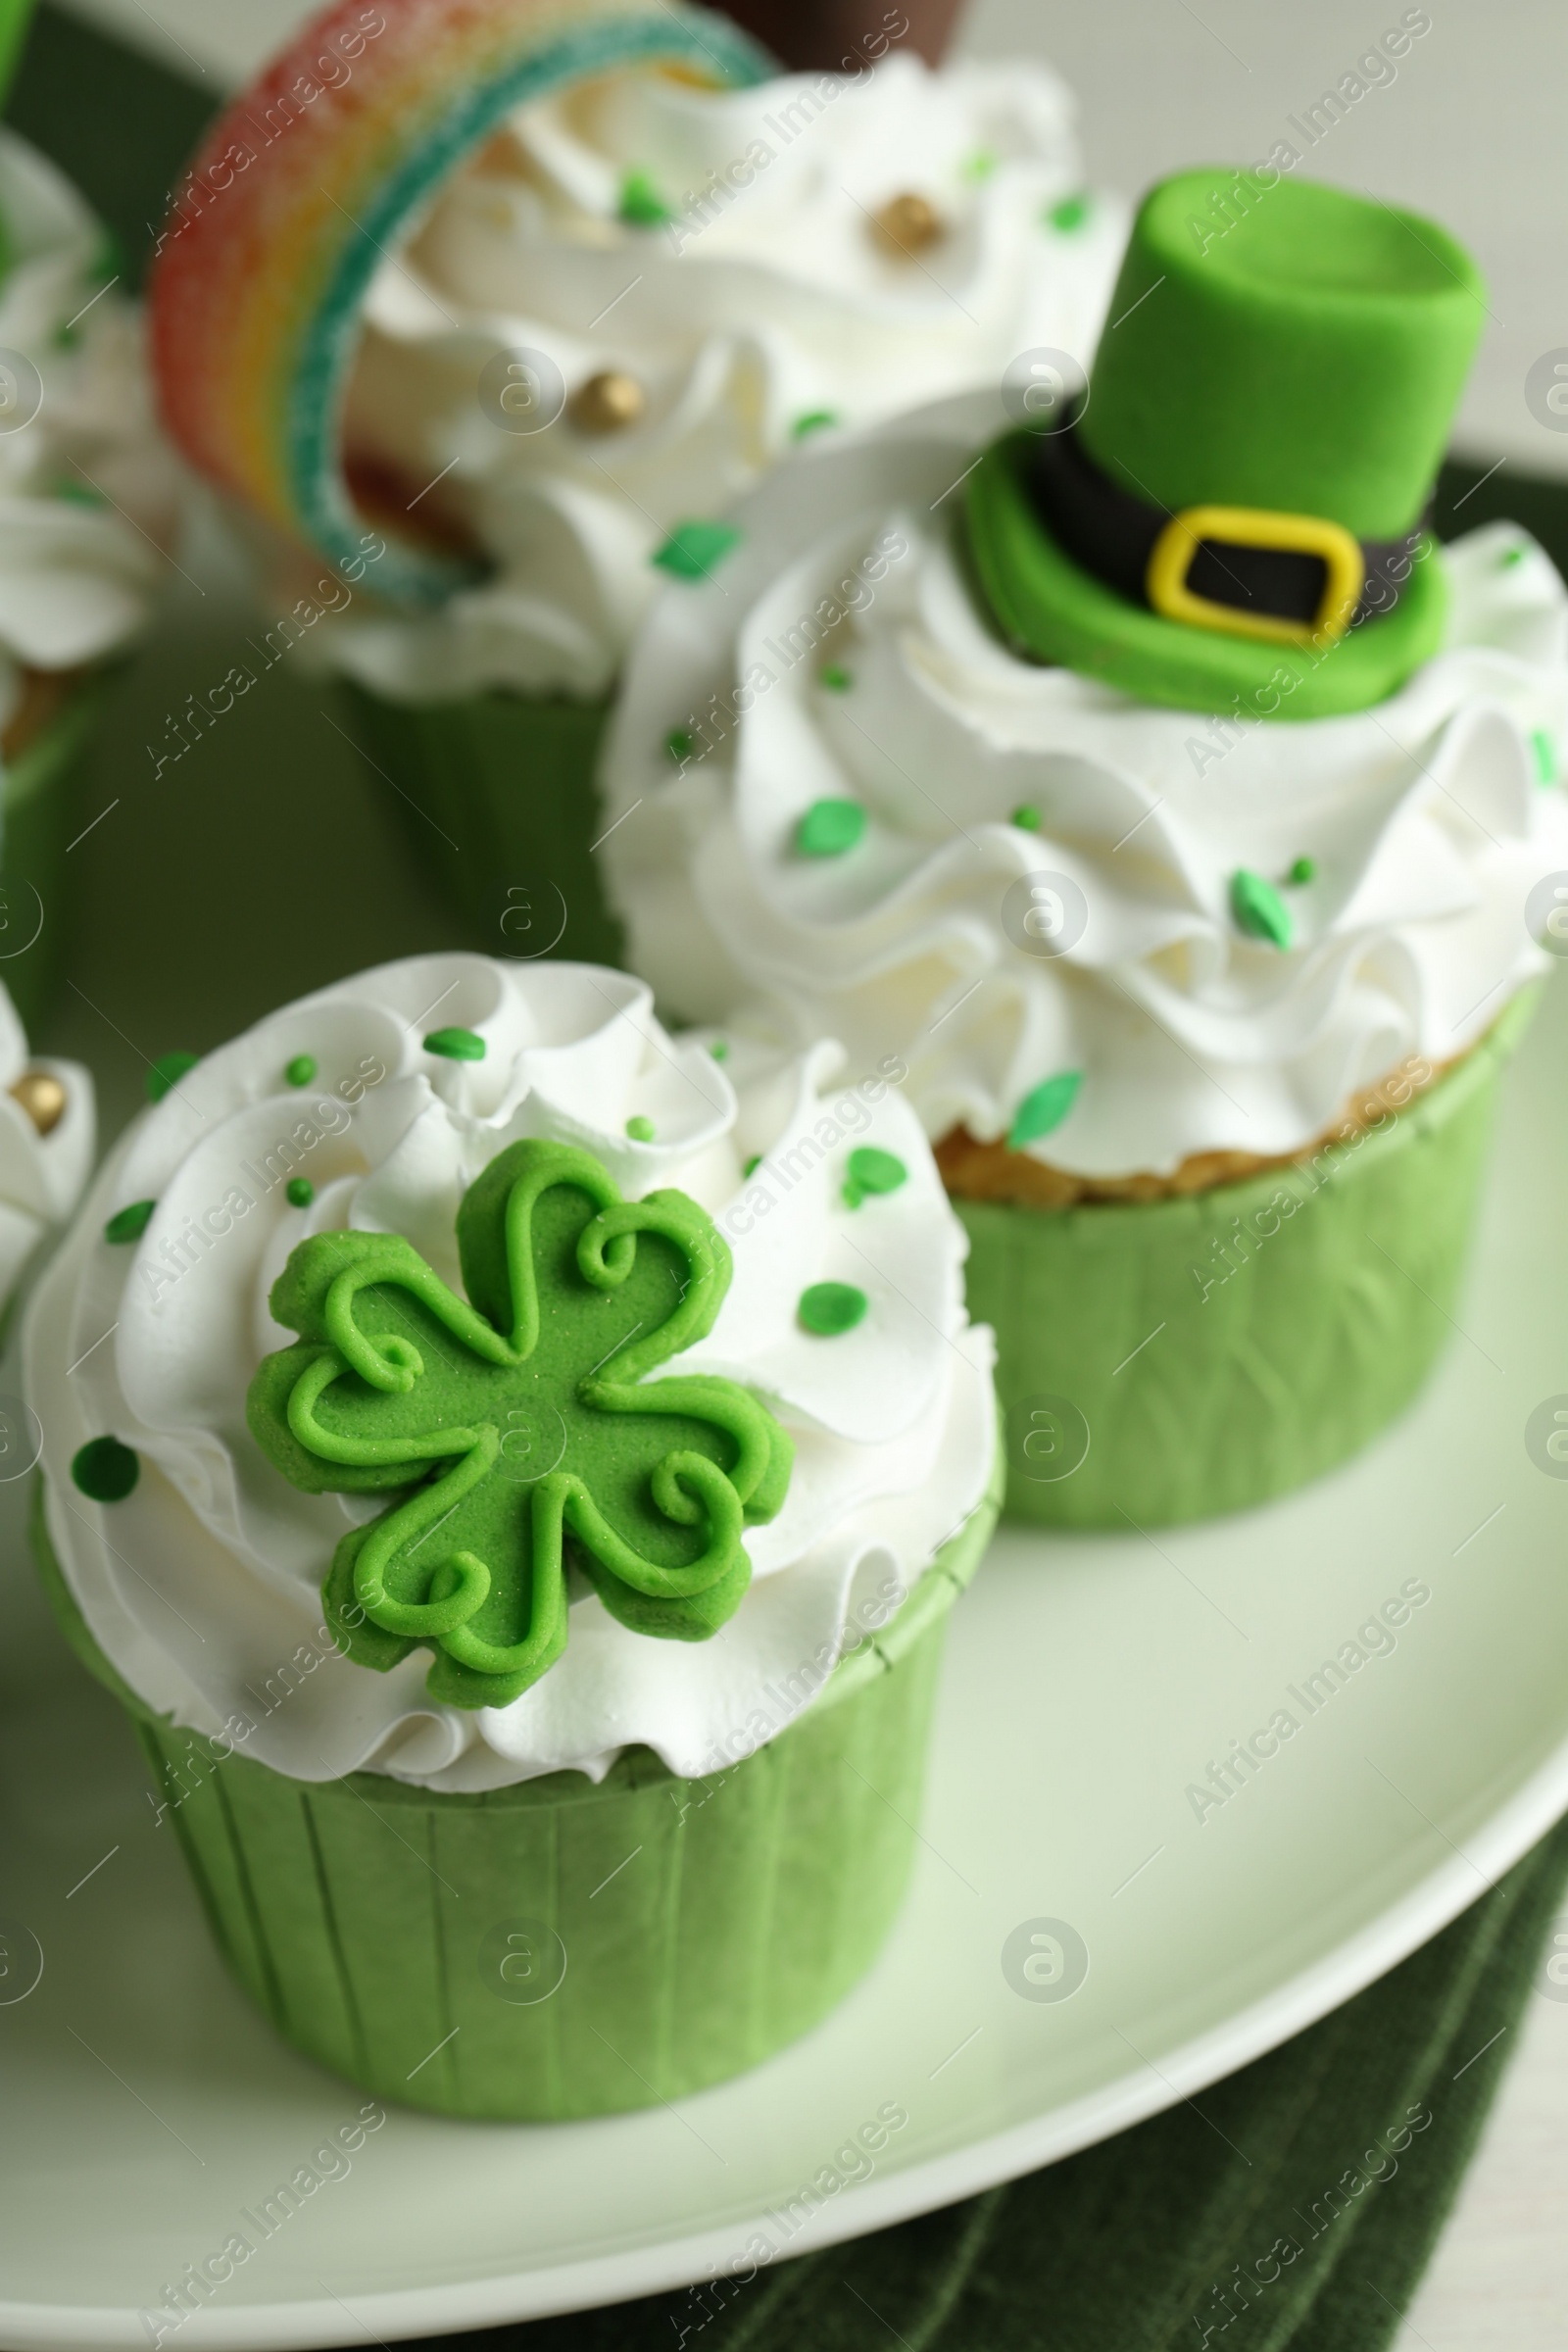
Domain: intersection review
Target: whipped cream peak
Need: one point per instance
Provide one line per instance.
(41, 1175)
(89, 492)
(1050, 884)
(206, 1581)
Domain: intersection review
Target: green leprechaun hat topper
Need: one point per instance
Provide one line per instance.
(1236, 511)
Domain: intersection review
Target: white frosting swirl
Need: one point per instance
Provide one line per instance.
(759, 305)
(88, 490)
(42, 1176)
(1425, 819)
(203, 1588)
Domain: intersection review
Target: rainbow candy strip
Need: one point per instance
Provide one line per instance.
(310, 178)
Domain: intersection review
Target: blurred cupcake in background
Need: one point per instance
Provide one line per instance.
(89, 504)
(634, 296)
(1175, 808)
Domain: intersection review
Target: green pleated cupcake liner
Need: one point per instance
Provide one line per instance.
(560, 1948)
(496, 799)
(1168, 1361)
(41, 817)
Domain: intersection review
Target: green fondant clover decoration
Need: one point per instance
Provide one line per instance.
(518, 1426)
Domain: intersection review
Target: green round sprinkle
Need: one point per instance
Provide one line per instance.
(301, 1070)
(130, 1224)
(1545, 752)
(835, 677)
(1258, 908)
(830, 1308)
(829, 828)
(168, 1071)
(1070, 213)
(641, 204)
(874, 1171)
(980, 165)
(456, 1045)
(1044, 1107)
(1303, 870)
(679, 744)
(1026, 818)
(1510, 557)
(753, 1164)
(814, 420)
(719, 1050)
(694, 549)
(104, 1470)
(300, 1191)
(640, 1129)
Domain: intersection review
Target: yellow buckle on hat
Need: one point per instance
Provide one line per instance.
(1171, 558)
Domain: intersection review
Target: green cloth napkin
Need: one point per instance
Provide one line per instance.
(1322, 2174)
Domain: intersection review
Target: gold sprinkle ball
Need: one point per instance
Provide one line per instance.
(608, 402)
(908, 223)
(42, 1096)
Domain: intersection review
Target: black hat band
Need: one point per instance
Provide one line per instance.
(1287, 577)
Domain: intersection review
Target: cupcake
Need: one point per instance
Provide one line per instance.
(574, 342)
(1202, 901)
(88, 501)
(518, 1494)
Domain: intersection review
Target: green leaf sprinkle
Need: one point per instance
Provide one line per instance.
(130, 1224)
(456, 1045)
(814, 420)
(1258, 908)
(693, 550)
(871, 1173)
(753, 1164)
(875, 1172)
(641, 204)
(1545, 752)
(166, 1072)
(104, 1470)
(829, 828)
(1044, 1107)
(830, 1308)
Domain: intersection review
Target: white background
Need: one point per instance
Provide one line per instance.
(1472, 131)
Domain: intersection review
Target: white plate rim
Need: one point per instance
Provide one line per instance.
(1518, 1823)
